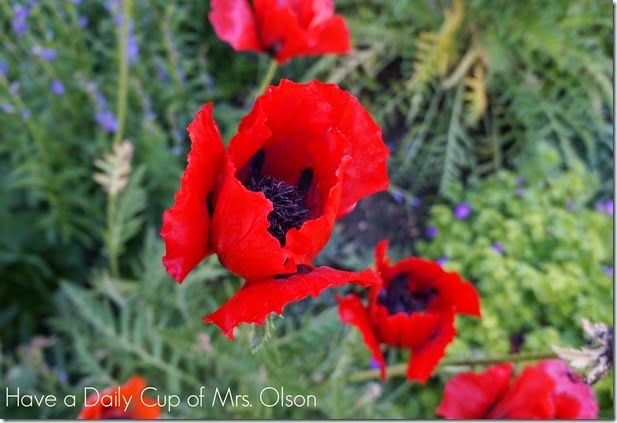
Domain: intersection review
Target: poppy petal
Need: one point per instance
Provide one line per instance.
(424, 357)
(574, 399)
(234, 22)
(367, 174)
(529, 397)
(469, 395)
(240, 233)
(352, 311)
(331, 36)
(256, 300)
(186, 225)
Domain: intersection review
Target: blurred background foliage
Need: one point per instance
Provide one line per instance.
(505, 106)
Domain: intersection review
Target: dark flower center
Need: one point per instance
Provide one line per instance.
(290, 210)
(398, 298)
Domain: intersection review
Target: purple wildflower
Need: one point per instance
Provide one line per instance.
(44, 53)
(19, 23)
(4, 68)
(608, 270)
(6, 108)
(107, 120)
(570, 205)
(498, 247)
(373, 364)
(605, 207)
(57, 87)
(25, 113)
(462, 211)
(398, 197)
(416, 202)
(132, 48)
(76, 2)
(442, 261)
(520, 192)
(83, 21)
(520, 181)
(431, 232)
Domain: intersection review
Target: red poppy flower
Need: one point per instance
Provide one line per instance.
(301, 159)
(283, 28)
(549, 390)
(412, 307)
(104, 405)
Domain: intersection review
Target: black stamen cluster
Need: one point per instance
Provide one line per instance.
(397, 297)
(288, 201)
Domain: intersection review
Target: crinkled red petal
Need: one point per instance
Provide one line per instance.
(352, 311)
(234, 22)
(458, 295)
(529, 397)
(186, 226)
(256, 300)
(401, 329)
(470, 395)
(329, 37)
(240, 233)
(425, 356)
(367, 173)
(574, 399)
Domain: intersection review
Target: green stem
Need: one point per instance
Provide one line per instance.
(267, 78)
(401, 369)
(123, 69)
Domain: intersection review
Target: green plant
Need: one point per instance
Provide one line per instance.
(535, 249)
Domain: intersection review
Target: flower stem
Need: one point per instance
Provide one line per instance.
(267, 78)
(401, 369)
(123, 69)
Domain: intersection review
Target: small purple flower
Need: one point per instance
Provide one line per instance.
(76, 2)
(4, 68)
(498, 247)
(431, 232)
(416, 202)
(44, 53)
(520, 192)
(107, 120)
(25, 113)
(462, 211)
(608, 270)
(442, 261)
(57, 87)
(398, 197)
(7, 108)
(373, 364)
(161, 72)
(83, 21)
(19, 23)
(605, 207)
(132, 49)
(570, 205)
(520, 181)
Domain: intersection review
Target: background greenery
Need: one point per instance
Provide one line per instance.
(471, 95)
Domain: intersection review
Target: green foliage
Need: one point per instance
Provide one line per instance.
(551, 272)
(462, 88)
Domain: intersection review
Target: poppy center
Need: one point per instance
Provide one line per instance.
(290, 210)
(398, 298)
